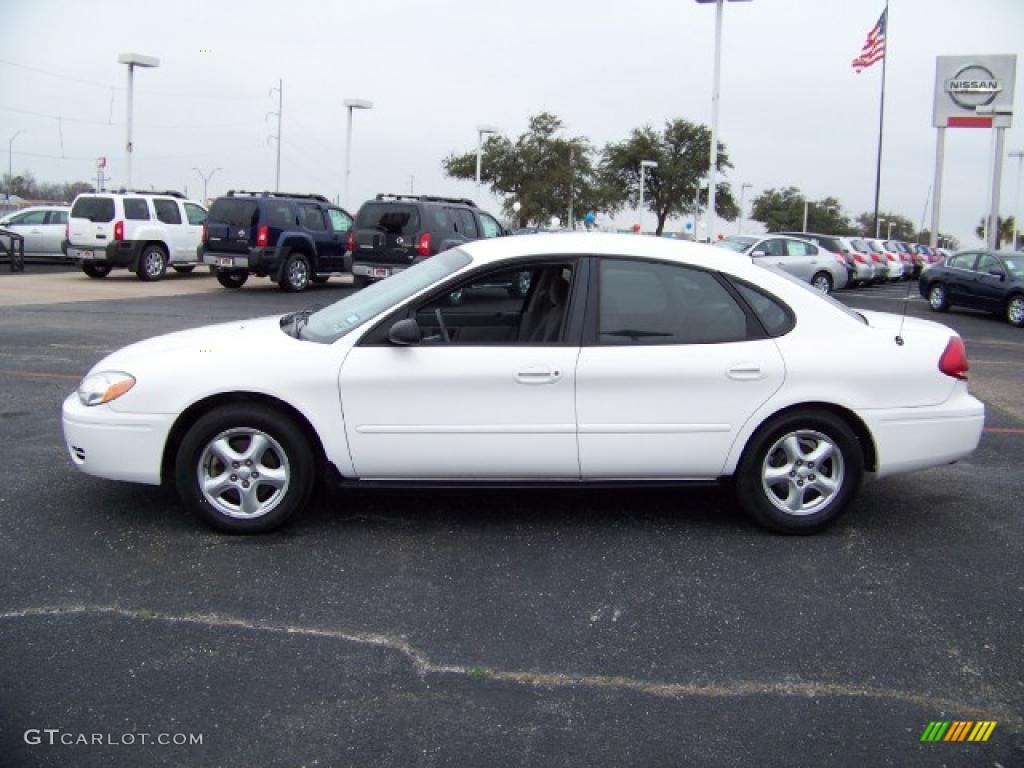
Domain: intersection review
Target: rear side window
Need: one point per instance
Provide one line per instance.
(312, 218)
(962, 261)
(389, 218)
(776, 318)
(646, 303)
(135, 208)
(195, 214)
(167, 211)
(467, 222)
(58, 217)
(799, 248)
(278, 215)
(98, 209)
(234, 213)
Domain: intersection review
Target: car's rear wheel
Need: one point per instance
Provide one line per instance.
(245, 469)
(799, 471)
(295, 274)
(185, 270)
(232, 279)
(96, 270)
(938, 299)
(152, 263)
(1015, 311)
(823, 282)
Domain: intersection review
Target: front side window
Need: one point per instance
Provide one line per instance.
(32, 218)
(772, 247)
(340, 222)
(95, 209)
(195, 214)
(136, 209)
(167, 211)
(643, 302)
(490, 227)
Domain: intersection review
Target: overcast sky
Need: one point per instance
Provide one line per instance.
(793, 112)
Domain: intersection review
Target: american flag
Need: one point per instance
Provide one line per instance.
(874, 46)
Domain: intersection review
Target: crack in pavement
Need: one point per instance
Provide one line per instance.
(424, 666)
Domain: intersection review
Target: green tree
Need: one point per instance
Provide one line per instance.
(782, 210)
(540, 170)
(682, 152)
(902, 227)
(1005, 233)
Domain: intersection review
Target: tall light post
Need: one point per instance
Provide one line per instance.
(10, 161)
(132, 60)
(888, 234)
(719, 5)
(739, 223)
(481, 131)
(1019, 154)
(701, 184)
(350, 105)
(206, 178)
(644, 164)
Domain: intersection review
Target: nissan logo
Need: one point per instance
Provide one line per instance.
(973, 86)
(399, 240)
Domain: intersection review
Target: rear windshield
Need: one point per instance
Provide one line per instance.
(234, 213)
(94, 209)
(860, 245)
(388, 217)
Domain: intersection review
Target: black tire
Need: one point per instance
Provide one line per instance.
(295, 274)
(96, 270)
(1015, 310)
(287, 454)
(360, 281)
(823, 282)
(152, 264)
(232, 279)
(938, 298)
(321, 279)
(810, 428)
(186, 269)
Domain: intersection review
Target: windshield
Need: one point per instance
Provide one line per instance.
(860, 246)
(738, 244)
(331, 323)
(811, 289)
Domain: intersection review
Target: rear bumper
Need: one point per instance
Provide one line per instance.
(112, 445)
(371, 269)
(121, 253)
(262, 261)
(907, 439)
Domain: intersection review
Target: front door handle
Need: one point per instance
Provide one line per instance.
(538, 375)
(746, 372)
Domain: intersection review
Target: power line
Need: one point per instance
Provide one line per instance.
(87, 121)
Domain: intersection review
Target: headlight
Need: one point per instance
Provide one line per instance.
(102, 387)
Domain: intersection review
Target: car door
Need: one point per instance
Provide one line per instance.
(489, 392)
(192, 230)
(337, 244)
(314, 223)
(168, 212)
(988, 288)
(772, 251)
(56, 221)
(672, 367)
(31, 226)
(959, 276)
(803, 259)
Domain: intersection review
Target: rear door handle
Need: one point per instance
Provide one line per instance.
(538, 375)
(746, 372)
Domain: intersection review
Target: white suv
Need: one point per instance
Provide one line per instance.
(143, 231)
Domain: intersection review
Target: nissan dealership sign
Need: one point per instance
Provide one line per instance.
(974, 91)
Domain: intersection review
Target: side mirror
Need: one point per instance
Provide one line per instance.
(757, 254)
(405, 333)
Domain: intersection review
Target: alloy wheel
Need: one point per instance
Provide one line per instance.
(802, 472)
(243, 473)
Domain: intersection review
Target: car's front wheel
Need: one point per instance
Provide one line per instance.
(96, 270)
(1015, 311)
(799, 471)
(938, 299)
(245, 469)
(152, 263)
(232, 279)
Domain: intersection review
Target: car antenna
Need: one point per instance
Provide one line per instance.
(906, 301)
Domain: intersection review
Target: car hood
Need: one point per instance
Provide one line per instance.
(261, 332)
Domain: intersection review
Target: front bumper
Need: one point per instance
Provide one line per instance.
(908, 439)
(113, 445)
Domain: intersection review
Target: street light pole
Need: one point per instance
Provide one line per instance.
(804, 229)
(640, 213)
(10, 161)
(739, 223)
(1019, 154)
(481, 131)
(132, 60)
(206, 177)
(350, 105)
(888, 235)
(878, 227)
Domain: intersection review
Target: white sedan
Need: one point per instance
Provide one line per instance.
(630, 360)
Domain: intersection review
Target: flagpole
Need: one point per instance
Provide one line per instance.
(881, 117)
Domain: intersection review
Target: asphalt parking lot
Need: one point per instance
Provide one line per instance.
(490, 628)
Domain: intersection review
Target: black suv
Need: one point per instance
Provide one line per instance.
(393, 232)
(292, 239)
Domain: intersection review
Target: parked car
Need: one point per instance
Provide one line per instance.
(43, 228)
(858, 272)
(394, 232)
(991, 280)
(144, 232)
(892, 260)
(631, 359)
(904, 255)
(294, 239)
(864, 249)
(800, 258)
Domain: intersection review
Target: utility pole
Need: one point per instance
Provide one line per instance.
(206, 178)
(572, 224)
(10, 162)
(280, 105)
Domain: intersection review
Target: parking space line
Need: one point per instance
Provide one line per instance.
(1006, 430)
(40, 374)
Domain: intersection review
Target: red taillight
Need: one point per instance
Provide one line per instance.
(351, 246)
(262, 235)
(423, 244)
(206, 234)
(954, 359)
(119, 230)
(859, 259)
(890, 257)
